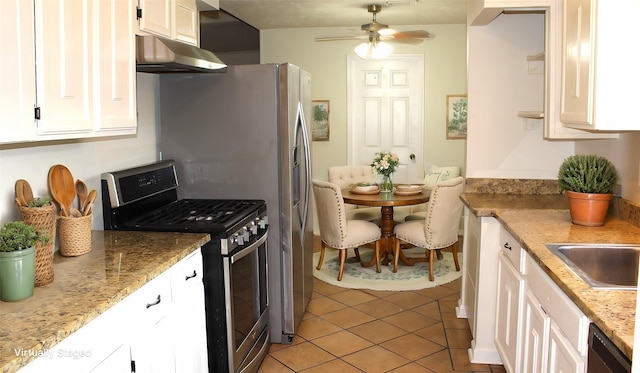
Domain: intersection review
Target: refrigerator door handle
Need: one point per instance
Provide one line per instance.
(307, 163)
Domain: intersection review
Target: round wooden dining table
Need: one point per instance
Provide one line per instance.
(386, 201)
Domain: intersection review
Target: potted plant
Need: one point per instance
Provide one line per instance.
(588, 181)
(17, 260)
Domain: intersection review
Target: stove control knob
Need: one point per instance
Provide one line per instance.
(263, 222)
(234, 238)
(254, 226)
(246, 234)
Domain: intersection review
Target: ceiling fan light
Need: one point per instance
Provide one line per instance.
(381, 50)
(373, 51)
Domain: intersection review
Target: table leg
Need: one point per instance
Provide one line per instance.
(387, 239)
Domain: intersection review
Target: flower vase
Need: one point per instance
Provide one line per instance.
(386, 186)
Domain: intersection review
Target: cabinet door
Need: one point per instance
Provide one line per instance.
(190, 329)
(115, 79)
(563, 358)
(151, 345)
(187, 22)
(157, 17)
(64, 65)
(535, 335)
(118, 361)
(508, 326)
(577, 97)
(17, 72)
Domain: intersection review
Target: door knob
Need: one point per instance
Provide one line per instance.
(412, 156)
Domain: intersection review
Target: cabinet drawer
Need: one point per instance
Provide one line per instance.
(512, 249)
(151, 303)
(573, 323)
(186, 278)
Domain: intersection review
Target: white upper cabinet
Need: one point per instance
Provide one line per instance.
(599, 71)
(172, 19)
(17, 71)
(70, 71)
(115, 64)
(64, 82)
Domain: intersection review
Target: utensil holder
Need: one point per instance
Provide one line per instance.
(43, 219)
(74, 235)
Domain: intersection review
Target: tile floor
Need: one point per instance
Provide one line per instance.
(346, 330)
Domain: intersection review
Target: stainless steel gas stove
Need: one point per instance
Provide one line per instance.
(234, 261)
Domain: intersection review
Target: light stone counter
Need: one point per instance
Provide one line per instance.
(535, 220)
(86, 286)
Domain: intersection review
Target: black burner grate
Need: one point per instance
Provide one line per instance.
(202, 215)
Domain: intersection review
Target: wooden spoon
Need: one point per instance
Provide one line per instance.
(62, 187)
(89, 202)
(81, 190)
(20, 197)
(27, 192)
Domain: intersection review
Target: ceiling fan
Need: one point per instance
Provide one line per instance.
(376, 32)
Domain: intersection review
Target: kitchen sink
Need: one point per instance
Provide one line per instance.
(601, 266)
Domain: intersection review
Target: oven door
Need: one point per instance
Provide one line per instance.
(245, 278)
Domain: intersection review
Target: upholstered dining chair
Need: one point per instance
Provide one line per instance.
(439, 229)
(336, 231)
(353, 174)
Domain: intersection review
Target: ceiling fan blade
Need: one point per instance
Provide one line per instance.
(415, 34)
(391, 39)
(338, 38)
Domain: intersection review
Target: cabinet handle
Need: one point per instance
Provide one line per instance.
(507, 246)
(191, 276)
(154, 303)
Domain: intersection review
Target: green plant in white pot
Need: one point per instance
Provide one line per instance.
(17, 260)
(588, 181)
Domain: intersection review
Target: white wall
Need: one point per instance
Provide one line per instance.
(86, 159)
(624, 152)
(499, 143)
(445, 73)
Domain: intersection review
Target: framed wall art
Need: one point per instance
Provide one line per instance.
(456, 116)
(320, 120)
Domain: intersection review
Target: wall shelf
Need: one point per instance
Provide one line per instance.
(531, 114)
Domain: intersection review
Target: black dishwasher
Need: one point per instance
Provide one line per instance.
(604, 356)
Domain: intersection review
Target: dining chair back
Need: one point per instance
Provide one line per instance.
(344, 176)
(338, 232)
(439, 229)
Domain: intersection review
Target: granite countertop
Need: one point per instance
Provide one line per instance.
(535, 220)
(118, 264)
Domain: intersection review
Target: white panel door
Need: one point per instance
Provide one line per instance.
(385, 104)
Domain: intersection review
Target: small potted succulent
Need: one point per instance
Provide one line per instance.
(17, 260)
(588, 181)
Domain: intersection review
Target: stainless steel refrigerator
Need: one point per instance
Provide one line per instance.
(245, 134)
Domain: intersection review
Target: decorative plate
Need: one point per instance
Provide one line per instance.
(369, 189)
(407, 189)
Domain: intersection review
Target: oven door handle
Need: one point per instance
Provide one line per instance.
(249, 249)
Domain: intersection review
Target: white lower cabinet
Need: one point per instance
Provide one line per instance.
(479, 282)
(535, 335)
(159, 328)
(189, 322)
(538, 328)
(508, 314)
(555, 330)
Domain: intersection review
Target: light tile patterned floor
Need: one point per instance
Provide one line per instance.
(347, 330)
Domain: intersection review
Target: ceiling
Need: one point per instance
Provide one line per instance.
(272, 14)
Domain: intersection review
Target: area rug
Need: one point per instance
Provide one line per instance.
(414, 277)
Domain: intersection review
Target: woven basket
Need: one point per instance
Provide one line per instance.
(43, 219)
(74, 235)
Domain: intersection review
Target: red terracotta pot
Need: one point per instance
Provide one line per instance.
(587, 208)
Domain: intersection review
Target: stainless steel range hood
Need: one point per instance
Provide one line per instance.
(159, 55)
